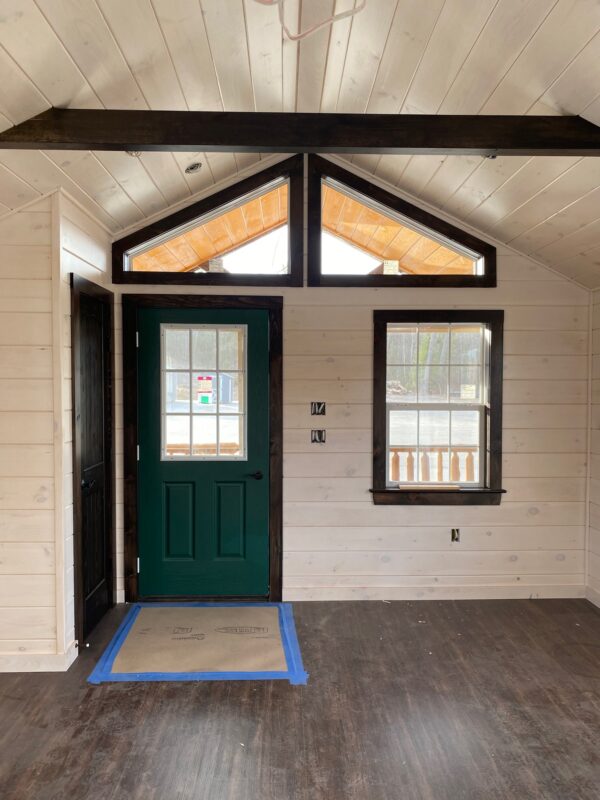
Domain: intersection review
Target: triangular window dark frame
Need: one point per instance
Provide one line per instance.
(291, 168)
(320, 168)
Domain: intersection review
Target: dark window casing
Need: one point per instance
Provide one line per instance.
(319, 168)
(491, 491)
(291, 168)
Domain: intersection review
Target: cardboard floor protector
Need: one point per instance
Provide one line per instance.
(203, 641)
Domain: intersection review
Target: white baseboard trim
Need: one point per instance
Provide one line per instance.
(436, 593)
(593, 595)
(38, 662)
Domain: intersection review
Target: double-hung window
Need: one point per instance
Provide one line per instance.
(437, 407)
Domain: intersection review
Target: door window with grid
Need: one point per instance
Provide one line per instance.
(203, 392)
(436, 399)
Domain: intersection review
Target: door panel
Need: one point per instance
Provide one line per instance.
(230, 518)
(178, 504)
(95, 585)
(203, 472)
(92, 400)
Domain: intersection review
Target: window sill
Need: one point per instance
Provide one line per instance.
(437, 497)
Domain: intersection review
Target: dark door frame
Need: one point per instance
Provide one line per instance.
(81, 286)
(274, 305)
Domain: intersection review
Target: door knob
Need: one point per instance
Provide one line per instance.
(88, 484)
(258, 476)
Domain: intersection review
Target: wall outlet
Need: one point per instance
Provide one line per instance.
(455, 535)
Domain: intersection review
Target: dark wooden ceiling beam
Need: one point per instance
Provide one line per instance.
(247, 132)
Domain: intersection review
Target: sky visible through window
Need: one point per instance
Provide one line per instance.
(338, 257)
(267, 255)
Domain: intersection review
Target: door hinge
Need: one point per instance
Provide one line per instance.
(137, 338)
(138, 452)
(138, 566)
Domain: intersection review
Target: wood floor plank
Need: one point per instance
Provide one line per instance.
(423, 701)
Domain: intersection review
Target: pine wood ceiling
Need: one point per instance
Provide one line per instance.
(506, 57)
(343, 216)
(218, 236)
(385, 238)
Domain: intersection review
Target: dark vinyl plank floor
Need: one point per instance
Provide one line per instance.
(406, 701)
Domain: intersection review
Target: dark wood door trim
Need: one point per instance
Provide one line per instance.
(81, 286)
(274, 305)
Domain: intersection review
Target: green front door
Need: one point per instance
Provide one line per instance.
(203, 471)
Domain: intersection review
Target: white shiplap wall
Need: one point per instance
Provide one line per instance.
(39, 247)
(29, 419)
(593, 541)
(338, 545)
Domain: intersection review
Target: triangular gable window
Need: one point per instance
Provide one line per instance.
(361, 235)
(250, 233)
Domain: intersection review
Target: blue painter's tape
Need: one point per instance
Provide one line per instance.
(102, 670)
(295, 673)
(291, 648)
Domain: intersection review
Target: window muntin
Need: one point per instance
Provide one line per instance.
(249, 236)
(386, 242)
(203, 392)
(437, 393)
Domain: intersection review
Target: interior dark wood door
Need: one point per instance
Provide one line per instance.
(93, 455)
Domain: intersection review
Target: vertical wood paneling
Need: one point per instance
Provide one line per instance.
(462, 23)
(368, 38)
(156, 75)
(83, 31)
(567, 29)
(507, 32)
(38, 169)
(336, 57)
(24, 99)
(85, 169)
(312, 58)
(265, 51)
(225, 23)
(31, 42)
(185, 33)
(289, 58)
